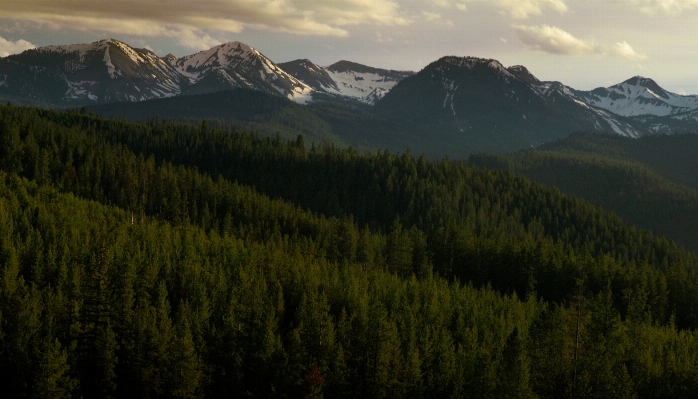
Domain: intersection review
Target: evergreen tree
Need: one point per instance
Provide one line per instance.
(514, 369)
(11, 148)
(98, 344)
(53, 378)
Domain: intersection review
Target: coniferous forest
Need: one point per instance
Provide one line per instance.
(165, 260)
(651, 182)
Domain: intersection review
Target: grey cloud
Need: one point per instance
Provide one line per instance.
(188, 19)
(521, 9)
(518, 9)
(666, 6)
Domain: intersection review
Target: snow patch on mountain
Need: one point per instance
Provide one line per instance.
(346, 78)
(450, 86)
(130, 53)
(366, 87)
(302, 95)
(110, 67)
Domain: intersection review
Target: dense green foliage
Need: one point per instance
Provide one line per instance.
(161, 260)
(650, 182)
(402, 121)
(671, 156)
(265, 113)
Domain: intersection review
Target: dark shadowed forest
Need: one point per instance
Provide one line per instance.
(165, 260)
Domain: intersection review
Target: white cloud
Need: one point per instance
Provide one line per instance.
(553, 40)
(187, 19)
(521, 9)
(380, 38)
(442, 3)
(667, 6)
(431, 16)
(459, 4)
(8, 47)
(518, 9)
(437, 19)
(198, 41)
(623, 49)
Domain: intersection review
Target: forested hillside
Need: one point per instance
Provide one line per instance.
(672, 156)
(265, 113)
(650, 182)
(415, 117)
(335, 119)
(165, 260)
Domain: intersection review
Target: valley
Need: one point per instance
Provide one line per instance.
(221, 225)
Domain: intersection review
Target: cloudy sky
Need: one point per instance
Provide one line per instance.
(582, 43)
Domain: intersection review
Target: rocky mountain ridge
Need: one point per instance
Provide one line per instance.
(480, 95)
(112, 71)
(465, 93)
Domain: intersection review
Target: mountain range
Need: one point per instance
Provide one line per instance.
(112, 71)
(454, 106)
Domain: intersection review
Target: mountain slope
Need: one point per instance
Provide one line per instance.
(265, 113)
(346, 78)
(478, 104)
(128, 248)
(638, 96)
(368, 84)
(112, 71)
(649, 182)
(100, 72)
(310, 74)
(646, 103)
(671, 156)
(233, 65)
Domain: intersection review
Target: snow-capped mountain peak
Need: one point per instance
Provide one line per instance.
(346, 78)
(310, 74)
(110, 70)
(235, 64)
(103, 71)
(638, 96)
(637, 83)
(221, 56)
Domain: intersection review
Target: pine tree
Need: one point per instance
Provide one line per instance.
(11, 148)
(53, 378)
(399, 250)
(514, 369)
(97, 344)
(184, 369)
